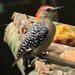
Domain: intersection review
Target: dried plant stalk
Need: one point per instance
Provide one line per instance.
(11, 37)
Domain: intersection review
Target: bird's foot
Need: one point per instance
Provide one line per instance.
(37, 58)
(46, 52)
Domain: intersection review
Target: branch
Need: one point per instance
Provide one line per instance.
(53, 58)
(59, 48)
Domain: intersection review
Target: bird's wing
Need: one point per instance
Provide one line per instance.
(34, 37)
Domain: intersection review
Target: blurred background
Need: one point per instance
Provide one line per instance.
(29, 7)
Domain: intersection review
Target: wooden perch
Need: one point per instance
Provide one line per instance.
(53, 58)
(59, 48)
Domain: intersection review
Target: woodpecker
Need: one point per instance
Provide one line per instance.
(40, 35)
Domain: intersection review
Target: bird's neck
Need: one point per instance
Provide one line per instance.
(48, 22)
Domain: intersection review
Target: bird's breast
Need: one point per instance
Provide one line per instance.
(44, 45)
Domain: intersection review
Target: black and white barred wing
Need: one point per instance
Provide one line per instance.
(34, 37)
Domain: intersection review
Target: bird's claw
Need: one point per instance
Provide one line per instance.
(37, 58)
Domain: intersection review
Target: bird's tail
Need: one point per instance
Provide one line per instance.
(14, 63)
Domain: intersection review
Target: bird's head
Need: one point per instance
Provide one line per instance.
(47, 11)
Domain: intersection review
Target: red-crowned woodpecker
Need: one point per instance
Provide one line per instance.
(40, 35)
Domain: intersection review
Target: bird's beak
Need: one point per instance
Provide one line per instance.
(58, 8)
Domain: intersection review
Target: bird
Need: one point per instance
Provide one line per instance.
(40, 35)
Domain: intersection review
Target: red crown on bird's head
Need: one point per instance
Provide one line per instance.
(44, 6)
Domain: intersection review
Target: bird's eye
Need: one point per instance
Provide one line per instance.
(48, 10)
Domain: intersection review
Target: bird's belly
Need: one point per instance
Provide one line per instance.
(42, 47)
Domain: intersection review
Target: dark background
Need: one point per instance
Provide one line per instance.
(8, 7)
